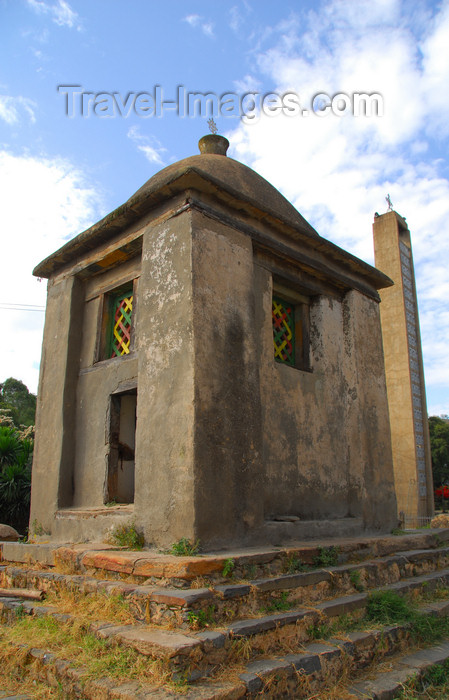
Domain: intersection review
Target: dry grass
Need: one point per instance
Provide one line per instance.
(91, 607)
(98, 658)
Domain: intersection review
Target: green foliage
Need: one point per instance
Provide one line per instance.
(201, 618)
(249, 571)
(14, 395)
(293, 565)
(320, 631)
(439, 446)
(387, 607)
(398, 532)
(38, 529)
(327, 556)
(355, 577)
(279, 604)
(228, 567)
(15, 477)
(127, 535)
(185, 548)
(433, 684)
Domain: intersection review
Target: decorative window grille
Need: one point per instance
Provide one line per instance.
(121, 313)
(283, 315)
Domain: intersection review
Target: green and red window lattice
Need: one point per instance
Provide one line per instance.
(283, 315)
(122, 306)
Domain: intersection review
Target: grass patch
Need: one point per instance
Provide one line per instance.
(185, 548)
(398, 532)
(327, 556)
(128, 536)
(201, 618)
(74, 642)
(294, 565)
(356, 579)
(228, 568)
(91, 607)
(280, 604)
(432, 685)
(387, 607)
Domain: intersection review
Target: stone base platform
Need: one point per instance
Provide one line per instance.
(152, 565)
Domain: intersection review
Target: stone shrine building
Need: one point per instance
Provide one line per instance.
(212, 369)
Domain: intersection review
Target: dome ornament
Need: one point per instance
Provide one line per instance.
(213, 143)
(213, 128)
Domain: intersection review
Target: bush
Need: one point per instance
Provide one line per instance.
(15, 478)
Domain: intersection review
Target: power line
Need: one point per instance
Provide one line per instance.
(20, 307)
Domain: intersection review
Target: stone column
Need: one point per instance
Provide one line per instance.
(404, 370)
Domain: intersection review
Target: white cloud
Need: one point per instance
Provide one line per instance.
(206, 26)
(148, 145)
(44, 203)
(11, 109)
(60, 12)
(337, 170)
(193, 20)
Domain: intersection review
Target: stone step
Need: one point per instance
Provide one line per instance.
(199, 654)
(294, 674)
(155, 567)
(232, 601)
(321, 664)
(235, 600)
(389, 684)
(78, 685)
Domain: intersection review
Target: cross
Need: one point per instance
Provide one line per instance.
(212, 126)
(389, 202)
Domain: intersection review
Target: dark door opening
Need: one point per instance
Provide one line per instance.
(122, 441)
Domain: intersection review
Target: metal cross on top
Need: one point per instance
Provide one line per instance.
(389, 202)
(212, 125)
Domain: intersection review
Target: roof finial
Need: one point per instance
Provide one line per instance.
(212, 125)
(213, 143)
(389, 202)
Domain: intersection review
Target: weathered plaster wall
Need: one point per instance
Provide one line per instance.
(228, 437)
(96, 382)
(54, 450)
(164, 500)
(326, 433)
(92, 446)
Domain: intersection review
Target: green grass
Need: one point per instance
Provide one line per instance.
(356, 579)
(201, 618)
(432, 685)
(128, 536)
(185, 548)
(387, 607)
(294, 565)
(228, 568)
(280, 604)
(327, 556)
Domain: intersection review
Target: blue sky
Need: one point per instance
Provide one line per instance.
(59, 174)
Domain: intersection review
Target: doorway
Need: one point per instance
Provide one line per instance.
(122, 442)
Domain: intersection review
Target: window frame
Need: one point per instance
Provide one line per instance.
(106, 320)
(115, 299)
(300, 304)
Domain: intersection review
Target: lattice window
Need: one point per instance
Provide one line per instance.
(283, 315)
(121, 316)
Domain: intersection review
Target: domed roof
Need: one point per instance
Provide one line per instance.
(224, 181)
(229, 180)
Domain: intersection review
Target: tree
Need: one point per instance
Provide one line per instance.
(14, 395)
(15, 477)
(439, 446)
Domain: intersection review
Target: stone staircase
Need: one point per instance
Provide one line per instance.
(276, 623)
